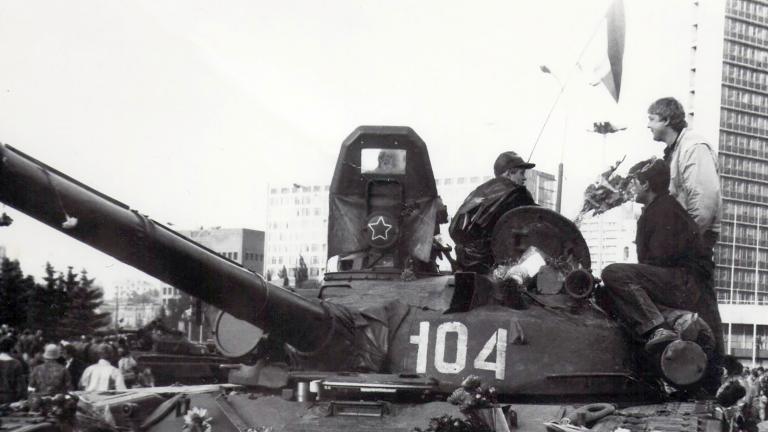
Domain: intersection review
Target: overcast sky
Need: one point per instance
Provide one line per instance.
(186, 110)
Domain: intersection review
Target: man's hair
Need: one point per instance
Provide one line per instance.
(104, 351)
(669, 108)
(6, 344)
(655, 172)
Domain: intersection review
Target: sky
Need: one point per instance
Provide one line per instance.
(187, 110)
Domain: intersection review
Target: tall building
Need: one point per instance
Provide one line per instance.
(728, 101)
(297, 218)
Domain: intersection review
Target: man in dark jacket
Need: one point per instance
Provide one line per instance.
(673, 264)
(473, 224)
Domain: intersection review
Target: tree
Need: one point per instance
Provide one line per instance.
(81, 316)
(14, 293)
(40, 305)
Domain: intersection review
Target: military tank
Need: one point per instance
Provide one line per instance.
(387, 337)
(170, 356)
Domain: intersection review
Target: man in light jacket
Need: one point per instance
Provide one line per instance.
(695, 184)
(693, 166)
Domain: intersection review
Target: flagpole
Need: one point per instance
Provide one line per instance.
(567, 80)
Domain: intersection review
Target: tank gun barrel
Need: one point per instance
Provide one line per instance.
(55, 199)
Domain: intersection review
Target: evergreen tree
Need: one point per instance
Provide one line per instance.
(14, 293)
(40, 313)
(84, 298)
(60, 298)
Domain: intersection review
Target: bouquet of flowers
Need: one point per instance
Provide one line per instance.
(609, 191)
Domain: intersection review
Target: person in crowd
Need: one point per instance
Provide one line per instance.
(128, 366)
(72, 362)
(13, 385)
(50, 377)
(102, 376)
(473, 224)
(145, 378)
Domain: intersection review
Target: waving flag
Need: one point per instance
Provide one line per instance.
(604, 55)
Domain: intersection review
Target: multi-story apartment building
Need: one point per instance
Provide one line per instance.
(297, 218)
(728, 101)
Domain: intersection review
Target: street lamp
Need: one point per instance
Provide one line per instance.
(559, 199)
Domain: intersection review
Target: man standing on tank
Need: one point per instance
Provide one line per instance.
(695, 184)
(473, 224)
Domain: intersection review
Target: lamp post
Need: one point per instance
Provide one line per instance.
(559, 199)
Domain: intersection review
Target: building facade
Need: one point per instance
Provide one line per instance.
(728, 101)
(611, 236)
(241, 245)
(297, 219)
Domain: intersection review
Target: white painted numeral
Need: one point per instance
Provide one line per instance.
(498, 340)
(422, 340)
(456, 366)
(457, 363)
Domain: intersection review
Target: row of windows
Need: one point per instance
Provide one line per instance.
(273, 272)
(745, 54)
(744, 212)
(298, 189)
(279, 225)
(744, 122)
(743, 99)
(169, 291)
(741, 144)
(745, 77)
(744, 190)
(740, 297)
(745, 256)
(298, 201)
(745, 335)
(293, 260)
(252, 256)
(746, 32)
(742, 280)
(745, 234)
(285, 248)
(747, 168)
(748, 9)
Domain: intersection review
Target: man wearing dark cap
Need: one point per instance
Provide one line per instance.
(673, 261)
(473, 224)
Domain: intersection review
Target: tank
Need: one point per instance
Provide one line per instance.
(171, 357)
(387, 337)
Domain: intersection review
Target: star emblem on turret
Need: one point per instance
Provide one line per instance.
(379, 229)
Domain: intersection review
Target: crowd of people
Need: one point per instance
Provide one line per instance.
(31, 366)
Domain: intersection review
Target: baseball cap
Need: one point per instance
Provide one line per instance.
(509, 160)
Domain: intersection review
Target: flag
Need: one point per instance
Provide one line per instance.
(604, 55)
